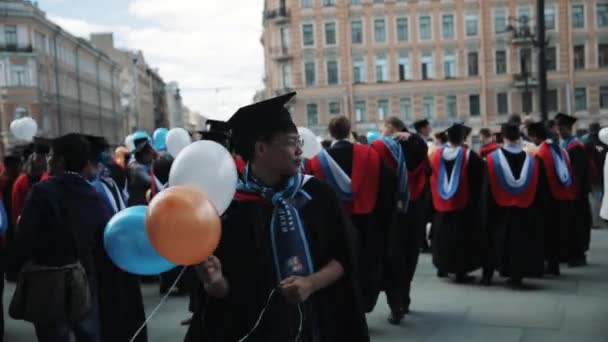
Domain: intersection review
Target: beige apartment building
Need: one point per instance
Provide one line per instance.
(62, 81)
(445, 60)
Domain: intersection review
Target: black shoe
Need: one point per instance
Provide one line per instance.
(395, 318)
(486, 281)
(553, 269)
(578, 262)
(516, 282)
(463, 278)
(441, 274)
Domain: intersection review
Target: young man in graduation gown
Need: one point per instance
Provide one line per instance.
(139, 172)
(488, 143)
(515, 198)
(577, 246)
(456, 187)
(561, 193)
(62, 222)
(357, 176)
(286, 246)
(405, 156)
(121, 309)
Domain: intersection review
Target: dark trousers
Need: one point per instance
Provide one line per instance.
(87, 330)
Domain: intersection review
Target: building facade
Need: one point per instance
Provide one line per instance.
(175, 106)
(448, 60)
(62, 81)
(159, 96)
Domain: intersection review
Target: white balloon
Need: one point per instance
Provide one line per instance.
(16, 128)
(177, 140)
(207, 166)
(311, 147)
(129, 143)
(604, 135)
(29, 128)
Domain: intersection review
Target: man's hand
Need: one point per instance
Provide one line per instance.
(402, 136)
(297, 289)
(210, 272)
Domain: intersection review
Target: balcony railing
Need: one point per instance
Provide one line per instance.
(15, 48)
(524, 81)
(278, 14)
(280, 53)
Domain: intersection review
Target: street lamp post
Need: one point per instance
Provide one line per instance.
(542, 63)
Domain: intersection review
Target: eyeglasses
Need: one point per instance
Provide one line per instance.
(295, 142)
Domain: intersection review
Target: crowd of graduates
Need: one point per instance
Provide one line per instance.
(308, 245)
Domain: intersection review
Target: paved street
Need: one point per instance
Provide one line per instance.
(573, 308)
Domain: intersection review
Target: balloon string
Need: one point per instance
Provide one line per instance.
(162, 301)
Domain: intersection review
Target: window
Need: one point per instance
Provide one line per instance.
(427, 65)
(284, 38)
(602, 15)
(502, 103)
(330, 33)
(449, 64)
(500, 20)
(355, 2)
(602, 55)
(402, 29)
(425, 28)
(471, 25)
(286, 74)
(334, 108)
(580, 99)
(10, 35)
(473, 62)
(310, 74)
(447, 26)
(312, 114)
(501, 62)
(550, 18)
(405, 105)
(474, 107)
(306, 3)
(329, 3)
(379, 31)
(604, 97)
(526, 102)
(381, 69)
(40, 41)
(20, 76)
(332, 72)
(578, 16)
(405, 70)
(308, 35)
(356, 30)
(359, 73)
(552, 100)
(451, 106)
(383, 109)
(428, 107)
(551, 58)
(579, 57)
(360, 111)
(525, 61)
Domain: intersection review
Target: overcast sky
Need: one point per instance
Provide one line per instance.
(202, 44)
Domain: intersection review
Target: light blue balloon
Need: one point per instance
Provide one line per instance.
(372, 136)
(160, 139)
(136, 136)
(127, 244)
(3, 218)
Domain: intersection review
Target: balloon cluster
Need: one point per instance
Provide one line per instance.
(311, 146)
(24, 128)
(372, 136)
(181, 225)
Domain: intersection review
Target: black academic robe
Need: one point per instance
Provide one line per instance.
(121, 305)
(458, 241)
(407, 228)
(139, 182)
(578, 242)
(245, 254)
(373, 229)
(518, 233)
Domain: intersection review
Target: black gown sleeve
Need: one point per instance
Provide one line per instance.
(580, 166)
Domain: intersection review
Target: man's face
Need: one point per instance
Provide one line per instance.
(486, 140)
(554, 130)
(282, 154)
(37, 165)
(55, 165)
(388, 130)
(536, 140)
(426, 131)
(565, 131)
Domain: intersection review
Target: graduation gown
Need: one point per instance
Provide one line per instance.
(245, 254)
(406, 227)
(458, 240)
(487, 149)
(140, 182)
(516, 222)
(377, 198)
(121, 306)
(21, 189)
(579, 240)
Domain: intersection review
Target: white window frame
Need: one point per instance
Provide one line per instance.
(337, 60)
(467, 63)
(585, 21)
(454, 58)
(386, 35)
(507, 61)
(409, 28)
(508, 102)
(316, 82)
(408, 67)
(336, 34)
(454, 24)
(430, 115)
(411, 108)
(555, 15)
(388, 108)
(431, 71)
(447, 114)
(314, 38)
(586, 100)
(359, 117)
(466, 17)
(597, 23)
(363, 69)
(308, 113)
(350, 33)
(430, 15)
(384, 64)
(312, 4)
(286, 77)
(494, 11)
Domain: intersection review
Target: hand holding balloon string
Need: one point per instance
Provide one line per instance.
(210, 273)
(297, 289)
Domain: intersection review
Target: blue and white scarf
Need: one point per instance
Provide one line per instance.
(505, 175)
(566, 142)
(397, 152)
(448, 184)
(560, 161)
(337, 179)
(290, 249)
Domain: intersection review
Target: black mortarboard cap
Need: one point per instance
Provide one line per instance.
(537, 129)
(217, 126)
(510, 130)
(565, 119)
(420, 124)
(260, 120)
(42, 145)
(457, 132)
(97, 145)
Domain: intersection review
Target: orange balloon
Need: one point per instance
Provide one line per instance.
(183, 225)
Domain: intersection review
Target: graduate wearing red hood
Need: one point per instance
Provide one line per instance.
(489, 145)
(516, 205)
(457, 174)
(357, 175)
(559, 203)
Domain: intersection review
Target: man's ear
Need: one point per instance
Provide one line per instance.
(259, 148)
